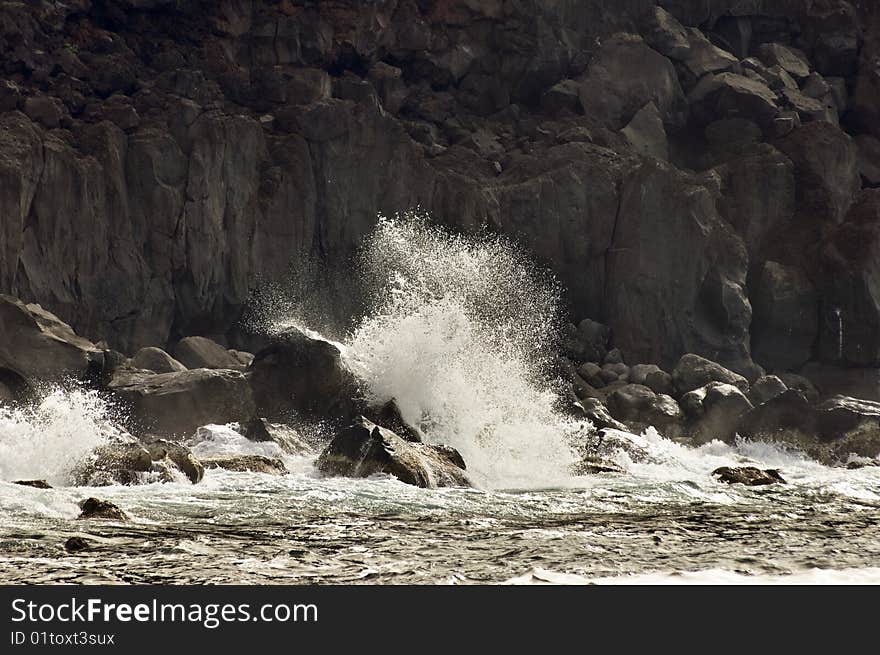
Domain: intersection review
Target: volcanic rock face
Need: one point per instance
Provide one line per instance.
(657, 158)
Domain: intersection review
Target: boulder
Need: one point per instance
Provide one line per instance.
(704, 57)
(94, 508)
(800, 383)
(178, 403)
(76, 544)
(659, 382)
(787, 417)
(785, 317)
(156, 360)
(638, 374)
(590, 372)
(37, 346)
(840, 416)
(179, 456)
(389, 416)
(624, 75)
(563, 97)
(201, 352)
(299, 373)
(364, 449)
(766, 388)
(693, 371)
(713, 411)
(791, 59)
(826, 380)
(646, 133)
(638, 406)
(44, 110)
(593, 410)
(36, 484)
(288, 439)
(665, 34)
(729, 95)
(869, 159)
(247, 463)
(119, 462)
(748, 475)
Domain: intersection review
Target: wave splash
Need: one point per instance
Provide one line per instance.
(460, 334)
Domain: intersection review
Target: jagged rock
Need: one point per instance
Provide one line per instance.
(713, 411)
(562, 97)
(179, 456)
(178, 403)
(660, 382)
(36, 484)
(288, 439)
(389, 416)
(792, 60)
(665, 34)
(625, 75)
(597, 413)
(810, 109)
(693, 371)
(38, 346)
(704, 57)
(778, 79)
(122, 462)
(646, 134)
(766, 388)
(247, 463)
(201, 352)
(76, 544)
(364, 449)
(298, 373)
(93, 508)
(748, 475)
(732, 95)
(785, 311)
(156, 360)
(869, 159)
(44, 110)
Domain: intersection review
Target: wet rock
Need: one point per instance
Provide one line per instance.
(36, 484)
(156, 360)
(201, 352)
(766, 388)
(123, 462)
(178, 403)
(389, 416)
(247, 463)
(298, 373)
(588, 341)
(591, 372)
(38, 346)
(713, 411)
(748, 475)
(660, 382)
(364, 449)
(594, 466)
(840, 415)
(625, 75)
(76, 544)
(288, 439)
(593, 410)
(93, 508)
(787, 417)
(639, 407)
(693, 371)
(179, 455)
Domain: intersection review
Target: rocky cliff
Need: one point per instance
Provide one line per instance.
(698, 173)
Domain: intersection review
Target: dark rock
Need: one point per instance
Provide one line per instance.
(598, 415)
(714, 410)
(301, 374)
(800, 383)
(787, 417)
(389, 416)
(288, 439)
(727, 95)
(93, 508)
(46, 111)
(869, 159)
(785, 317)
(748, 475)
(638, 406)
(156, 360)
(737, 33)
(10, 96)
(246, 463)
(123, 462)
(562, 97)
(625, 75)
(790, 59)
(646, 133)
(179, 456)
(825, 380)
(178, 403)
(36, 484)
(659, 382)
(201, 352)
(593, 466)
(638, 374)
(76, 544)
(614, 356)
(704, 57)
(766, 388)
(665, 34)
(591, 373)
(364, 449)
(839, 417)
(38, 346)
(693, 371)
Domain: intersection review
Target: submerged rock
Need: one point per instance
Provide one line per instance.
(36, 484)
(179, 456)
(247, 463)
(364, 449)
(748, 475)
(76, 544)
(94, 508)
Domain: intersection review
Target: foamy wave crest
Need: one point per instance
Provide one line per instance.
(47, 440)
(459, 334)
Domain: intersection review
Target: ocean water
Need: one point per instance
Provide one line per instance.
(459, 332)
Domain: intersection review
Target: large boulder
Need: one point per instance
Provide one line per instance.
(639, 407)
(178, 403)
(730, 95)
(246, 464)
(36, 346)
(128, 461)
(298, 373)
(713, 411)
(287, 438)
(624, 76)
(94, 508)
(156, 360)
(364, 449)
(693, 371)
(766, 388)
(201, 352)
(178, 456)
(748, 475)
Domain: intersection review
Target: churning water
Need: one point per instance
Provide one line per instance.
(460, 332)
